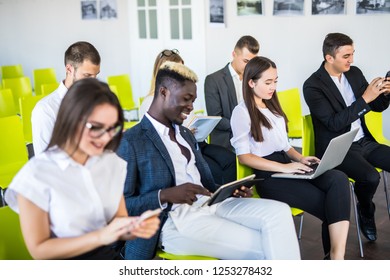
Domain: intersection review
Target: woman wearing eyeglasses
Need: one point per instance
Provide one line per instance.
(70, 197)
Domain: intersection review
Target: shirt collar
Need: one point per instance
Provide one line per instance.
(162, 130)
(63, 160)
(233, 72)
(62, 90)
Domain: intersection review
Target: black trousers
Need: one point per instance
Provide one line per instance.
(101, 253)
(222, 162)
(359, 164)
(326, 197)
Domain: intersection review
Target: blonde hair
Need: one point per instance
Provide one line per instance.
(180, 69)
(160, 59)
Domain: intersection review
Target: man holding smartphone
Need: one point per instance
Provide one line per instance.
(338, 96)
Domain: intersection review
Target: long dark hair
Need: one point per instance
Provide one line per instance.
(79, 102)
(253, 71)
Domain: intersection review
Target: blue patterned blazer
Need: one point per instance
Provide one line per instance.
(150, 169)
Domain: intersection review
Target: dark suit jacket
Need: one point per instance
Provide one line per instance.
(150, 169)
(331, 116)
(220, 98)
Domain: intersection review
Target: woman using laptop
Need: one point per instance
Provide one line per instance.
(260, 140)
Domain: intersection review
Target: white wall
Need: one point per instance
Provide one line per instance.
(36, 33)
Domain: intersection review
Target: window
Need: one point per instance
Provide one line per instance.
(147, 19)
(180, 19)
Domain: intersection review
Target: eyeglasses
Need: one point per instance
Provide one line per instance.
(97, 131)
(168, 52)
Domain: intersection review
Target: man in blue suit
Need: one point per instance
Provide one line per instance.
(338, 96)
(165, 169)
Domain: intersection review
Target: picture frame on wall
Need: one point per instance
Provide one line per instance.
(250, 7)
(108, 9)
(289, 7)
(88, 9)
(329, 7)
(367, 7)
(217, 12)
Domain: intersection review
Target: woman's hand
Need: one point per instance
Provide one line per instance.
(309, 160)
(116, 229)
(296, 167)
(145, 229)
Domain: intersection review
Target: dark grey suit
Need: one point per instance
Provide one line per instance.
(220, 97)
(149, 170)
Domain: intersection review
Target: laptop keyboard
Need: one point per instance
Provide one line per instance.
(314, 167)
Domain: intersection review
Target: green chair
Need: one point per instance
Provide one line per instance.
(7, 104)
(11, 71)
(244, 170)
(20, 87)
(308, 148)
(374, 121)
(167, 256)
(43, 76)
(26, 105)
(123, 90)
(13, 151)
(48, 88)
(290, 101)
(12, 246)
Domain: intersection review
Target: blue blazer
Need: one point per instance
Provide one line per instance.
(149, 170)
(330, 115)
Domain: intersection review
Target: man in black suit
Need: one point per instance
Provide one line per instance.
(223, 89)
(338, 96)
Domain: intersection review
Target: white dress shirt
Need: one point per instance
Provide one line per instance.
(78, 198)
(44, 116)
(275, 139)
(349, 97)
(237, 83)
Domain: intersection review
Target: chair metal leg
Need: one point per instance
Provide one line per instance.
(353, 198)
(384, 174)
(300, 227)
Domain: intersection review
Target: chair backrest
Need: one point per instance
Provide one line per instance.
(374, 122)
(308, 144)
(27, 104)
(124, 90)
(43, 76)
(290, 101)
(11, 71)
(13, 150)
(12, 246)
(48, 88)
(7, 105)
(20, 87)
(244, 171)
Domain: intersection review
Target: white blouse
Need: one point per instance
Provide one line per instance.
(78, 198)
(275, 139)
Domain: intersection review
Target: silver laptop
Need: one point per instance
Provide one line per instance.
(333, 156)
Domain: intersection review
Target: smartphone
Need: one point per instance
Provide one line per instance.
(148, 214)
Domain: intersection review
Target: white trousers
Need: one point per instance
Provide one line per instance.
(237, 228)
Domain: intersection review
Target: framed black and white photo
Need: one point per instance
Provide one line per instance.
(249, 7)
(108, 9)
(289, 7)
(217, 12)
(328, 7)
(372, 7)
(89, 9)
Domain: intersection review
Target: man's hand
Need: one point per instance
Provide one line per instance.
(185, 193)
(376, 88)
(243, 192)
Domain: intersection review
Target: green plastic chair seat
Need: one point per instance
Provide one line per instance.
(43, 76)
(11, 71)
(167, 256)
(12, 246)
(8, 171)
(7, 104)
(49, 88)
(20, 87)
(26, 105)
(291, 104)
